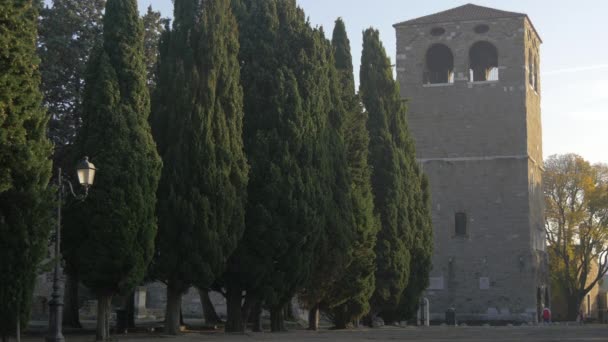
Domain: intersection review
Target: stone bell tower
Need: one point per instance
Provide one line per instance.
(471, 79)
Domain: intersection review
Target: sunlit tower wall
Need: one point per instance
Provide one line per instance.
(470, 76)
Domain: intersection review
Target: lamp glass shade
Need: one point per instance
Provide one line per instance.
(86, 172)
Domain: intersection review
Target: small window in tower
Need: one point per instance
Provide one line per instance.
(437, 31)
(483, 28)
(461, 224)
(439, 65)
(483, 61)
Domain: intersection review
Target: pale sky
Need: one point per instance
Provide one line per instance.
(574, 56)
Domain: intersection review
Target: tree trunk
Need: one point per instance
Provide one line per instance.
(71, 303)
(289, 311)
(574, 307)
(248, 304)
(18, 328)
(313, 318)
(173, 311)
(277, 322)
(234, 321)
(340, 319)
(209, 313)
(130, 307)
(256, 316)
(368, 320)
(104, 303)
(4, 338)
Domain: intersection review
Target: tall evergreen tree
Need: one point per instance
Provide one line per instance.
(287, 93)
(197, 121)
(421, 248)
(154, 25)
(334, 252)
(25, 165)
(348, 299)
(396, 183)
(112, 252)
(67, 33)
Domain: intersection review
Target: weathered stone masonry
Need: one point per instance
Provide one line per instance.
(479, 140)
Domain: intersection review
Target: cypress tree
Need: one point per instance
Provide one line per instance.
(286, 117)
(421, 250)
(334, 252)
(115, 241)
(25, 165)
(154, 26)
(68, 31)
(197, 120)
(395, 181)
(348, 299)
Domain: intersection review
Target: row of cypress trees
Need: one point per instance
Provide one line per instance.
(277, 179)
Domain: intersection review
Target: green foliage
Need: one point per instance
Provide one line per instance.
(109, 238)
(349, 296)
(25, 165)
(287, 111)
(422, 252)
(197, 121)
(154, 25)
(397, 186)
(68, 32)
(576, 226)
(334, 252)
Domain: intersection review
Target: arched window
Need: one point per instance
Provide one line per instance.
(439, 65)
(483, 61)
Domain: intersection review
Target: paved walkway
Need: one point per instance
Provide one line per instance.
(588, 333)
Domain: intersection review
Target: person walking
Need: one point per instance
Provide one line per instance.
(546, 316)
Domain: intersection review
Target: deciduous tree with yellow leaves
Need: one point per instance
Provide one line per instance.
(576, 223)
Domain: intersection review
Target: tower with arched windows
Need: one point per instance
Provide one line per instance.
(470, 76)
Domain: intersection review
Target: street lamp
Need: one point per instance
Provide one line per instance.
(86, 176)
(86, 173)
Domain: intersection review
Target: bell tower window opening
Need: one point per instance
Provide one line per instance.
(439, 65)
(483, 62)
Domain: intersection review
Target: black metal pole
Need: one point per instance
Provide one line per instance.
(56, 302)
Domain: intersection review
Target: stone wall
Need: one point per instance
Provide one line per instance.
(480, 143)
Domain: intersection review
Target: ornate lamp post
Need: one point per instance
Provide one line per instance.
(86, 175)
